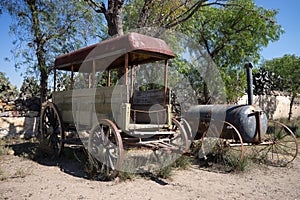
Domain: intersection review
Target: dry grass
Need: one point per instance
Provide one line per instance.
(4, 148)
(293, 124)
(20, 173)
(3, 177)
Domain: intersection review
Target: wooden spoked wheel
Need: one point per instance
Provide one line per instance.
(225, 148)
(179, 140)
(51, 133)
(106, 150)
(280, 146)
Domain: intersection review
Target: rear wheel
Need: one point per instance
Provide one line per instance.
(51, 134)
(280, 146)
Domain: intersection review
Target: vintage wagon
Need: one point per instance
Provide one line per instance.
(115, 114)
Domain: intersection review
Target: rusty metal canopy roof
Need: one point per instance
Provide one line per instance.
(110, 53)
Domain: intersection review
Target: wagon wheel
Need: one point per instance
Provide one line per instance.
(187, 128)
(226, 148)
(51, 134)
(179, 140)
(106, 150)
(281, 146)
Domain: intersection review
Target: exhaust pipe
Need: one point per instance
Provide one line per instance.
(249, 67)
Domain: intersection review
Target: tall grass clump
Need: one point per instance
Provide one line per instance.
(4, 149)
(293, 124)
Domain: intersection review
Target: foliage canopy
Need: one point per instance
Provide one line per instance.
(45, 29)
(286, 69)
(232, 32)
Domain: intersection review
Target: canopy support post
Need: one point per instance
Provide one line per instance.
(93, 74)
(72, 77)
(108, 78)
(126, 75)
(132, 82)
(54, 79)
(126, 69)
(165, 83)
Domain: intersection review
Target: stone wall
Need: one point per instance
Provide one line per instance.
(24, 127)
(275, 106)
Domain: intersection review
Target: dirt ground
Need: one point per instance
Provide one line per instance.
(22, 178)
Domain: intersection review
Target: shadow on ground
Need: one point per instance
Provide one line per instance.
(71, 161)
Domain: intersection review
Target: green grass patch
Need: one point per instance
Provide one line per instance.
(165, 172)
(219, 156)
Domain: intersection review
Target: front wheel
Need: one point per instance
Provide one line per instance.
(226, 148)
(105, 149)
(179, 140)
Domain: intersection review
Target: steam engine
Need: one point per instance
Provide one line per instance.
(249, 120)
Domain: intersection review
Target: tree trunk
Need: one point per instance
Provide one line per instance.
(291, 106)
(206, 94)
(43, 84)
(113, 14)
(114, 21)
(40, 51)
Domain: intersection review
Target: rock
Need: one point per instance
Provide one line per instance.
(10, 152)
(24, 127)
(3, 132)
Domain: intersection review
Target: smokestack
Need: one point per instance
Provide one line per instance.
(249, 83)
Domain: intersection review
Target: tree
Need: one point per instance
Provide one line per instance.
(233, 35)
(265, 82)
(288, 68)
(30, 88)
(45, 29)
(8, 92)
(232, 32)
(163, 13)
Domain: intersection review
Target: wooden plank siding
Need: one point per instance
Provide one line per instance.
(85, 103)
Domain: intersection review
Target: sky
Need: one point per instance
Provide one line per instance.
(289, 42)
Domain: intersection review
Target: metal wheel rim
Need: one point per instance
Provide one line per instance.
(225, 146)
(282, 145)
(106, 147)
(180, 139)
(187, 128)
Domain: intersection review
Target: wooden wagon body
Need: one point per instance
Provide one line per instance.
(123, 53)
